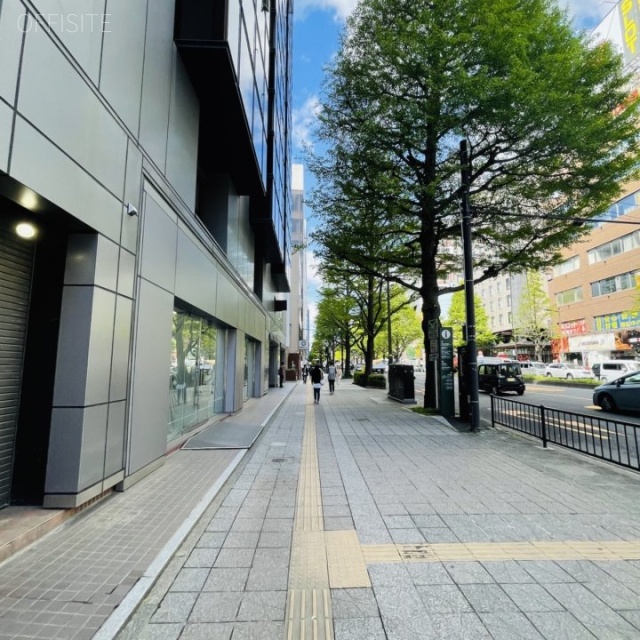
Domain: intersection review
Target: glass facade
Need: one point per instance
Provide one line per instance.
(196, 379)
(248, 38)
(281, 200)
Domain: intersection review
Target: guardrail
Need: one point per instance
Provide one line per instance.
(611, 440)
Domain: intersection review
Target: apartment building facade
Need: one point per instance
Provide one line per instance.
(595, 288)
(145, 211)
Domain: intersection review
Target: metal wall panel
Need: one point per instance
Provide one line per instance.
(16, 265)
(6, 117)
(11, 27)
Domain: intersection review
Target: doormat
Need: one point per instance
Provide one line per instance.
(225, 435)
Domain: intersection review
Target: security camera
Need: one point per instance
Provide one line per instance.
(131, 210)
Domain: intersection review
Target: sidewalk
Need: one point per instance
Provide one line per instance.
(353, 519)
(73, 572)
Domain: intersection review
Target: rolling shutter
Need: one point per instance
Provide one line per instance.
(16, 264)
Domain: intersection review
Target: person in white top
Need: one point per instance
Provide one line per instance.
(331, 377)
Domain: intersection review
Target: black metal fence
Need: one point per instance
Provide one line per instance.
(604, 438)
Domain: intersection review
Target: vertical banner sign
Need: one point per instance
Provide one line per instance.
(447, 396)
(629, 12)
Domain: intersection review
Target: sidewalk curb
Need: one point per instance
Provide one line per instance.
(120, 616)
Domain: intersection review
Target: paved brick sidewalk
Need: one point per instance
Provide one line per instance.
(69, 582)
(363, 520)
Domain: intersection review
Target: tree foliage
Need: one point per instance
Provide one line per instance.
(406, 327)
(458, 317)
(537, 103)
(532, 320)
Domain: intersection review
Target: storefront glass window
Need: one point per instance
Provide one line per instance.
(196, 383)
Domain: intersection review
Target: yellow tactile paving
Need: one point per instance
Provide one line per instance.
(541, 550)
(309, 614)
(347, 567)
(309, 502)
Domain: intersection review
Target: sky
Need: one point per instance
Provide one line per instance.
(316, 32)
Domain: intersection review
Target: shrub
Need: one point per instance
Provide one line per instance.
(377, 380)
(360, 379)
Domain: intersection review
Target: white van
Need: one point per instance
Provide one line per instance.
(609, 370)
(532, 367)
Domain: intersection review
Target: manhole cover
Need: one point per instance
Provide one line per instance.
(279, 460)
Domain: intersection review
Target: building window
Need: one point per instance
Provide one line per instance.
(621, 207)
(569, 296)
(611, 285)
(572, 264)
(196, 375)
(615, 247)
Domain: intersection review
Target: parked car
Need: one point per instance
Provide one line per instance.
(609, 370)
(496, 375)
(380, 366)
(532, 367)
(622, 394)
(567, 371)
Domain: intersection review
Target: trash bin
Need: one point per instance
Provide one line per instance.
(401, 383)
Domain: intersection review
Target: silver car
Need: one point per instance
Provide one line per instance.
(622, 394)
(567, 371)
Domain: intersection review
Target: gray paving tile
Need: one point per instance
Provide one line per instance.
(338, 524)
(589, 609)
(615, 594)
(632, 617)
(507, 572)
(532, 597)
(247, 524)
(463, 626)
(175, 607)
(268, 579)
(213, 539)
(436, 535)
(428, 521)
(425, 573)
(210, 631)
(216, 607)
(262, 605)
(234, 558)
(278, 524)
(401, 628)
(400, 601)
(468, 573)
(389, 575)
(241, 539)
(622, 570)
(398, 522)
(151, 632)
(406, 536)
(559, 625)
(189, 580)
(443, 598)
(509, 626)
(488, 598)
(358, 629)
(354, 603)
(545, 572)
(232, 579)
(263, 630)
(202, 557)
(275, 539)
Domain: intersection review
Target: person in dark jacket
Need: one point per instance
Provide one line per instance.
(316, 378)
(281, 374)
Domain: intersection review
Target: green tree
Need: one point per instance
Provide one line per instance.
(406, 327)
(532, 320)
(537, 103)
(458, 317)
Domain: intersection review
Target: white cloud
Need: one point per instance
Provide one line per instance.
(303, 122)
(313, 278)
(340, 8)
(587, 13)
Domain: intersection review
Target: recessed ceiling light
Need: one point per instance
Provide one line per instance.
(25, 230)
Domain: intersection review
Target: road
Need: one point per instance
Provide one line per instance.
(599, 433)
(572, 399)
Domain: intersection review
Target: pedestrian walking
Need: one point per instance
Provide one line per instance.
(331, 377)
(281, 374)
(305, 373)
(317, 379)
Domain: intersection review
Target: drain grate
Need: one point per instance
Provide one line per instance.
(278, 460)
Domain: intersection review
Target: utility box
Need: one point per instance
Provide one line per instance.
(401, 383)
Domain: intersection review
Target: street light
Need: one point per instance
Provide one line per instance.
(472, 356)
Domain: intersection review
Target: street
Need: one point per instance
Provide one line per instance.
(573, 399)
